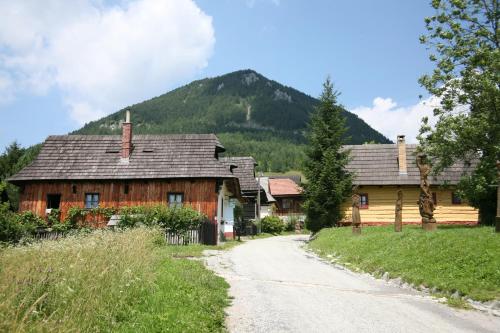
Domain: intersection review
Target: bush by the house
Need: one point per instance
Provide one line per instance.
(272, 225)
(11, 231)
(179, 220)
(291, 223)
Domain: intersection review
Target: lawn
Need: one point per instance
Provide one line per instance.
(463, 259)
(109, 281)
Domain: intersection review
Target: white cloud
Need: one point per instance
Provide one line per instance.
(390, 119)
(103, 57)
(6, 93)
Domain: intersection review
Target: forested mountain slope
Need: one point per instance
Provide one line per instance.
(251, 114)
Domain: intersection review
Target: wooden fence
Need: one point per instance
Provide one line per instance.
(48, 235)
(206, 234)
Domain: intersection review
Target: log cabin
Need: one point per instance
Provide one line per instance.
(380, 170)
(89, 171)
(289, 198)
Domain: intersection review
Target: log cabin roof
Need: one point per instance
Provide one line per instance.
(97, 157)
(245, 171)
(377, 164)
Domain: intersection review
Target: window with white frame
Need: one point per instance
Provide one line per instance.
(175, 199)
(91, 200)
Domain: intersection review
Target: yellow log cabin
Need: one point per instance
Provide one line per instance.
(380, 170)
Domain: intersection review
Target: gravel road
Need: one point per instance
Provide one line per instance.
(279, 287)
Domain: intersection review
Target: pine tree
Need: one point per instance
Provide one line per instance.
(329, 184)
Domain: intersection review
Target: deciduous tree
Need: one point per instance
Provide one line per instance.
(464, 37)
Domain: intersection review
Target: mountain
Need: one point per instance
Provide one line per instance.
(251, 114)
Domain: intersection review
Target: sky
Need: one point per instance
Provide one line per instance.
(65, 63)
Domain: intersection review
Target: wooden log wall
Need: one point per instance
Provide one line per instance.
(198, 193)
(295, 206)
(382, 200)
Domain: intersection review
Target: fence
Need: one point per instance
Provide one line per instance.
(48, 235)
(206, 234)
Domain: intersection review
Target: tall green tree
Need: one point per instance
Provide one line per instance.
(12, 160)
(329, 184)
(464, 37)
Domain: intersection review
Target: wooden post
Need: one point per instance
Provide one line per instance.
(356, 217)
(398, 221)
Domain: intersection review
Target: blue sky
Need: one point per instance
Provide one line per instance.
(74, 63)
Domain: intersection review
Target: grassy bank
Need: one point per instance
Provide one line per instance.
(109, 281)
(451, 259)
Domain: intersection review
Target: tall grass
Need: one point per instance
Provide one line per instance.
(105, 281)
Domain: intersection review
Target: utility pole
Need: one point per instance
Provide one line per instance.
(259, 229)
(497, 227)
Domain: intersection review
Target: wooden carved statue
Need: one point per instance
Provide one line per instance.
(356, 217)
(425, 203)
(398, 222)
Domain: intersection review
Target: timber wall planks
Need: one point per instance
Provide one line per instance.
(382, 201)
(199, 194)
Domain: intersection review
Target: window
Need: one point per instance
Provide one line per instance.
(455, 198)
(175, 199)
(434, 198)
(287, 203)
(363, 200)
(91, 200)
(53, 201)
(125, 189)
(73, 189)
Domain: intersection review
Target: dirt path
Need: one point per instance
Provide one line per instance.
(279, 287)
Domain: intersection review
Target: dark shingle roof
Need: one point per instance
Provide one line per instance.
(245, 167)
(377, 164)
(81, 157)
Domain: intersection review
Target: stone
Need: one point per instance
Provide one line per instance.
(435, 290)
(397, 281)
(385, 276)
(456, 295)
(495, 305)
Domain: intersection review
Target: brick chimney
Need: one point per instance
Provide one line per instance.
(126, 136)
(402, 155)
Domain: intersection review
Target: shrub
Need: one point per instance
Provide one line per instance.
(178, 220)
(11, 231)
(54, 217)
(272, 225)
(291, 223)
(77, 217)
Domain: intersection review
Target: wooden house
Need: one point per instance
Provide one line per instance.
(381, 170)
(288, 196)
(90, 171)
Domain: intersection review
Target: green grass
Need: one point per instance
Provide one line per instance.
(126, 281)
(451, 259)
